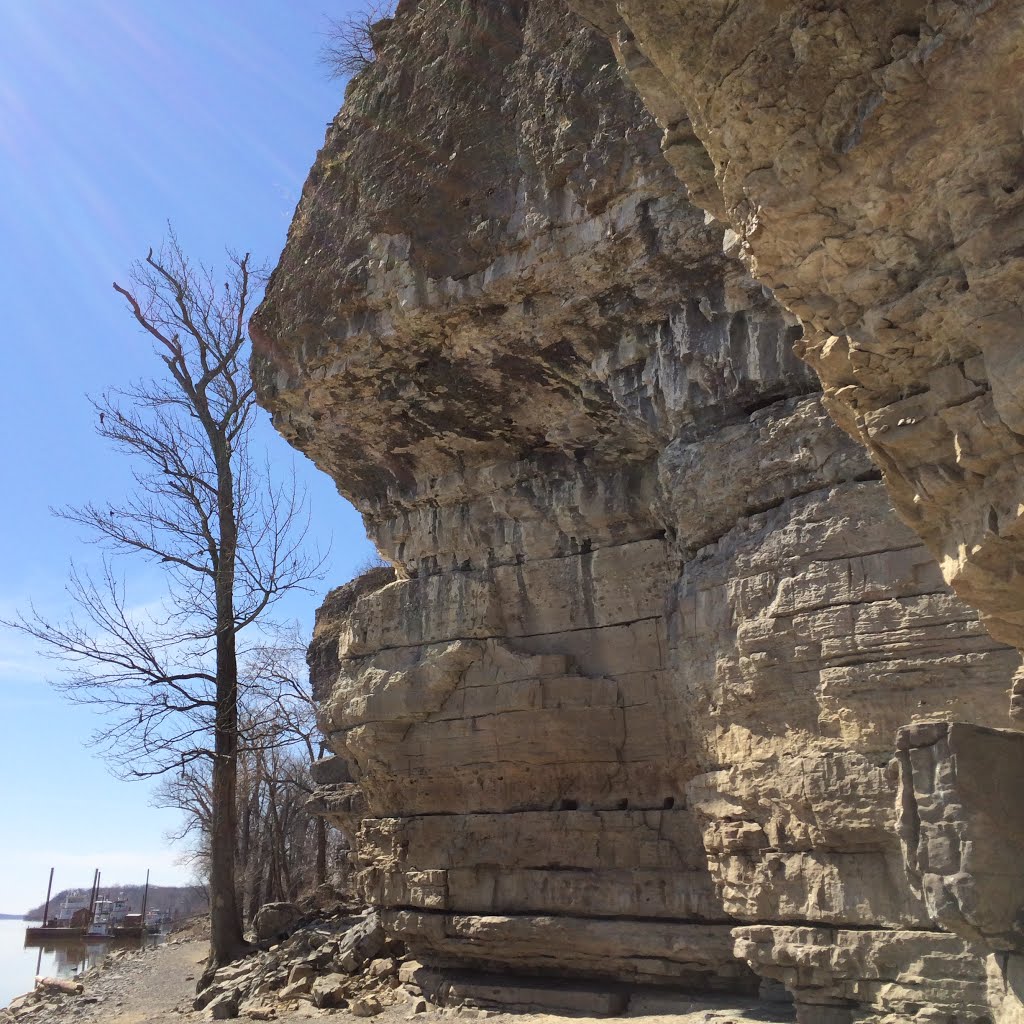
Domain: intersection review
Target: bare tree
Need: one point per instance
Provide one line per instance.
(281, 846)
(280, 668)
(229, 544)
(351, 45)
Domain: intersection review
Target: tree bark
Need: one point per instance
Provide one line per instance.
(321, 851)
(226, 940)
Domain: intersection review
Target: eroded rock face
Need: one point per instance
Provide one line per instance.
(841, 976)
(867, 159)
(653, 625)
(962, 826)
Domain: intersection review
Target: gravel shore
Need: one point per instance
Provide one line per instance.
(157, 986)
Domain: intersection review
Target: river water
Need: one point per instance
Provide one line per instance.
(19, 965)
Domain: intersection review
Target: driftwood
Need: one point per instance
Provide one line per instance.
(71, 988)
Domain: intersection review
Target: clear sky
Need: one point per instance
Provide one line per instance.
(116, 117)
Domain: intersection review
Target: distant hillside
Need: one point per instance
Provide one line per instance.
(11, 917)
(175, 900)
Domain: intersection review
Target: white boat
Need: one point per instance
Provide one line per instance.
(107, 917)
(73, 910)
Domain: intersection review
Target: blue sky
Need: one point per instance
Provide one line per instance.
(116, 117)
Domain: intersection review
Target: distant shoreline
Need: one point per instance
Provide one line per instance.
(12, 917)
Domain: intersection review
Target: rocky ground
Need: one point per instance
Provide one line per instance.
(341, 968)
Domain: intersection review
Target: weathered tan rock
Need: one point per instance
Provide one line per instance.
(276, 920)
(330, 991)
(653, 625)
(261, 1013)
(697, 956)
(326, 962)
(224, 1007)
(842, 976)
(365, 1006)
(1006, 987)
(361, 943)
(515, 995)
(962, 828)
(302, 972)
(867, 161)
(65, 986)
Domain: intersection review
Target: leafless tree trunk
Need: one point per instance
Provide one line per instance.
(282, 849)
(230, 544)
(321, 851)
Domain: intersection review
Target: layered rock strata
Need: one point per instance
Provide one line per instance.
(653, 625)
(867, 159)
(958, 785)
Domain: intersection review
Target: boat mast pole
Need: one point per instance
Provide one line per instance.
(46, 909)
(93, 895)
(145, 897)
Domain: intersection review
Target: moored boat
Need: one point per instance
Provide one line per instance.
(84, 915)
(69, 921)
(130, 927)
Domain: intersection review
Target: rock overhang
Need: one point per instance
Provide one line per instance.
(640, 572)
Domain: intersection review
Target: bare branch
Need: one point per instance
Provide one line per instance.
(350, 41)
(229, 543)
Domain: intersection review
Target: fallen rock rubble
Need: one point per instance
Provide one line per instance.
(346, 963)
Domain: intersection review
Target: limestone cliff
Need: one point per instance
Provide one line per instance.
(867, 160)
(626, 709)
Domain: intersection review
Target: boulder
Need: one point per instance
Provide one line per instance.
(297, 990)
(329, 991)
(261, 1013)
(361, 943)
(276, 921)
(329, 771)
(63, 986)
(301, 972)
(365, 1006)
(382, 968)
(223, 1007)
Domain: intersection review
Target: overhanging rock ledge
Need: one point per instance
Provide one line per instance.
(624, 711)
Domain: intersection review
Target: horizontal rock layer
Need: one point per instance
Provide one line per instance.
(653, 625)
(840, 976)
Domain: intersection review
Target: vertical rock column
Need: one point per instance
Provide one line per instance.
(962, 830)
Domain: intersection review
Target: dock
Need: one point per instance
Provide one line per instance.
(43, 932)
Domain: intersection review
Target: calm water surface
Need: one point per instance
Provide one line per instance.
(18, 964)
